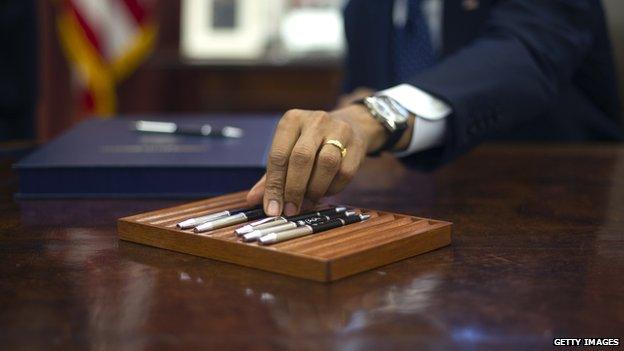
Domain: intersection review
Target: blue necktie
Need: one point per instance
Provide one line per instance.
(411, 45)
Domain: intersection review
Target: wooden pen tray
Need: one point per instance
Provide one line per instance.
(327, 256)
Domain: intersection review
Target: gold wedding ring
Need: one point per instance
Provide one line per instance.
(338, 144)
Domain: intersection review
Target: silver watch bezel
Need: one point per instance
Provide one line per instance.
(388, 112)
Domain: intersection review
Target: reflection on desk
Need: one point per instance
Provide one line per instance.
(538, 253)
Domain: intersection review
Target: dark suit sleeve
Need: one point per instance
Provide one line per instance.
(510, 73)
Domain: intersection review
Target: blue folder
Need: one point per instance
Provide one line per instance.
(107, 158)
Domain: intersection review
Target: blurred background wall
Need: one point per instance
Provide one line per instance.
(169, 83)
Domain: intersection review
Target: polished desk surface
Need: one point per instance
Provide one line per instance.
(538, 253)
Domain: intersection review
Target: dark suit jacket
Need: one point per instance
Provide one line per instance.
(18, 68)
(510, 69)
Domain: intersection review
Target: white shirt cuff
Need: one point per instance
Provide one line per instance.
(430, 122)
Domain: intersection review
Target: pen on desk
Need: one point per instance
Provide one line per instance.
(273, 238)
(173, 128)
(275, 221)
(267, 222)
(230, 220)
(193, 222)
(258, 233)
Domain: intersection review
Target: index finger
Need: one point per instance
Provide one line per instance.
(286, 135)
(255, 195)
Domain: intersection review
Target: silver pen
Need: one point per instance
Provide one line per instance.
(193, 222)
(230, 220)
(275, 221)
(174, 128)
(261, 224)
(298, 232)
(256, 234)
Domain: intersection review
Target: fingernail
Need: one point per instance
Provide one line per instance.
(290, 209)
(273, 208)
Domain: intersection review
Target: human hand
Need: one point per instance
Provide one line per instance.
(301, 164)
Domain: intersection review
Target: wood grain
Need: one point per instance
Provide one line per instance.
(537, 252)
(328, 256)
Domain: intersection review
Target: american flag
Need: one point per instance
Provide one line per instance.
(105, 40)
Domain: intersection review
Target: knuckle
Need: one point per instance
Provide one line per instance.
(320, 117)
(301, 156)
(278, 158)
(289, 117)
(273, 186)
(329, 161)
(293, 113)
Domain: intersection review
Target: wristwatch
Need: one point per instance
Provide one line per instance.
(392, 116)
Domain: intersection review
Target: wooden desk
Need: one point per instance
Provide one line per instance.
(538, 253)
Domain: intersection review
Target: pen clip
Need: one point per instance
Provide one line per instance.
(264, 220)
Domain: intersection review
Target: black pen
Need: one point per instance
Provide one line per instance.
(230, 220)
(193, 222)
(307, 229)
(258, 233)
(275, 221)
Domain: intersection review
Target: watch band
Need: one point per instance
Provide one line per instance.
(393, 139)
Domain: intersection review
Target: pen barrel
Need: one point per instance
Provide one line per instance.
(222, 223)
(193, 222)
(333, 211)
(301, 217)
(231, 220)
(239, 210)
(314, 220)
(275, 223)
(328, 212)
(257, 234)
(212, 216)
(294, 233)
(352, 219)
(279, 228)
(254, 214)
(189, 130)
(331, 224)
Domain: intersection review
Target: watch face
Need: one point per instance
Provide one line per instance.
(395, 114)
(402, 114)
(385, 112)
